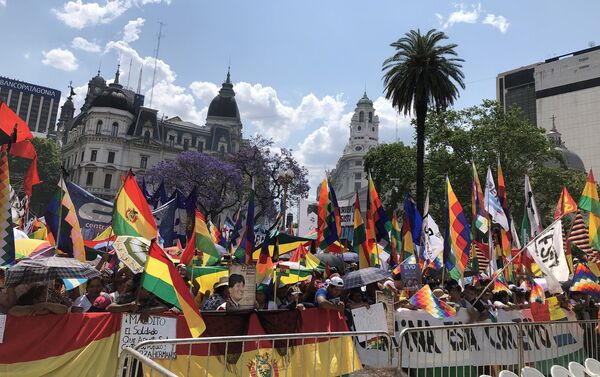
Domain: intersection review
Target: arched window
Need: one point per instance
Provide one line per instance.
(115, 129)
(99, 127)
(222, 149)
(147, 137)
(370, 117)
(361, 116)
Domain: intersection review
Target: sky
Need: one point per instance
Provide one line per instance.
(299, 67)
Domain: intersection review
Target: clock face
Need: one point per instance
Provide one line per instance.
(358, 148)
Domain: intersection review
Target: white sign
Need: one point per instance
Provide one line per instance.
(133, 331)
(2, 327)
(346, 213)
(307, 217)
(371, 319)
(480, 346)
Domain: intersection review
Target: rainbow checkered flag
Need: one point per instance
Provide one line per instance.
(584, 281)
(425, 300)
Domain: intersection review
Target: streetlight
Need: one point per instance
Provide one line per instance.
(285, 177)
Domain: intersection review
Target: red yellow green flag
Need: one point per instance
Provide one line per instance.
(363, 244)
(201, 240)
(589, 202)
(131, 215)
(163, 280)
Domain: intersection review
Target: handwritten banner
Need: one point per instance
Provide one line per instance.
(134, 331)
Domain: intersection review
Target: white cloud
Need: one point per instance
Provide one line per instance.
(27, 55)
(131, 31)
(60, 59)
(2, 3)
(80, 43)
(77, 14)
(499, 22)
(461, 15)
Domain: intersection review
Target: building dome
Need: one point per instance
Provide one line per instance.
(114, 98)
(365, 100)
(224, 104)
(98, 80)
(571, 159)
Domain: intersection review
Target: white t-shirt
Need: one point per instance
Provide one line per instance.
(83, 302)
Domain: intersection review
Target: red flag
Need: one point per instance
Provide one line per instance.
(11, 123)
(25, 149)
(565, 204)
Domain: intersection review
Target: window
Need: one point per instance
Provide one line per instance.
(356, 186)
(357, 175)
(370, 117)
(171, 140)
(111, 157)
(68, 161)
(358, 163)
(82, 155)
(186, 144)
(373, 129)
(147, 137)
(361, 116)
(200, 146)
(359, 128)
(107, 181)
(94, 155)
(99, 127)
(222, 149)
(143, 162)
(89, 180)
(115, 129)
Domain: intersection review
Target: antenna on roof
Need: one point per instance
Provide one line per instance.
(139, 86)
(129, 72)
(160, 26)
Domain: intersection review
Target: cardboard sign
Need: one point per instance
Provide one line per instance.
(556, 312)
(249, 275)
(411, 276)
(388, 305)
(133, 331)
(540, 312)
(369, 319)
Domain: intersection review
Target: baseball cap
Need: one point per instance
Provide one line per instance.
(337, 281)
(293, 290)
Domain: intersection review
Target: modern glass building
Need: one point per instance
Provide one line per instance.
(36, 105)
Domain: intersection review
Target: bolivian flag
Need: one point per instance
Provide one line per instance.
(202, 241)
(162, 278)
(131, 215)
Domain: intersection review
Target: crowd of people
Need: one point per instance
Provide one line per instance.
(121, 291)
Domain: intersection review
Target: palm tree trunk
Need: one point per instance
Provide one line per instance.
(421, 110)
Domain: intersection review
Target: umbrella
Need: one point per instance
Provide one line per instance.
(33, 249)
(350, 257)
(334, 260)
(132, 251)
(47, 269)
(364, 276)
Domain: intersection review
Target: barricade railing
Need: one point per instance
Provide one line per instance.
(235, 345)
(134, 364)
(471, 350)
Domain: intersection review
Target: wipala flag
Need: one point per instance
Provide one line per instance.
(163, 280)
(131, 214)
(378, 223)
(578, 236)
(480, 216)
(457, 246)
(589, 202)
(63, 225)
(565, 204)
(327, 233)
(396, 242)
(202, 241)
(7, 238)
(362, 244)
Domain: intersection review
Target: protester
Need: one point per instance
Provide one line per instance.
(219, 296)
(477, 311)
(34, 302)
(501, 301)
(329, 297)
(292, 299)
(262, 302)
(356, 299)
(93, 290)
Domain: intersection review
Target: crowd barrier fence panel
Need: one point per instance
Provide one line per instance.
(265, 342)
(471, 350)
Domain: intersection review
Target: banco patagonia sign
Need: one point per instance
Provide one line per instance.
(29, 88)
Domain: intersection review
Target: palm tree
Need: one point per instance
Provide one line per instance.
(422, 73)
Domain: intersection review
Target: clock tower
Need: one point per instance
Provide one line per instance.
(349, 176)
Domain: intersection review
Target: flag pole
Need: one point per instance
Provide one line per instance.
(60, 204)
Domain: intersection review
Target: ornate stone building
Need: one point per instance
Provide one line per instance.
(115, 132)
(349, 176)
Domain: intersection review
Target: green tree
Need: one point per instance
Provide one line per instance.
(483, 134)
(392, 167)
(49, 162)
(420, 74)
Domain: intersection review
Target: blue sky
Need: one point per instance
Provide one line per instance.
(299, 67)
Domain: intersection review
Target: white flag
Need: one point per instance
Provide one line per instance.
(547, 251)
(433, 241)
(532, 211)
(492, 203)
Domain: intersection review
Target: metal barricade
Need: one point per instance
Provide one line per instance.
(133, 364)
(472, 350)
(278, 342)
